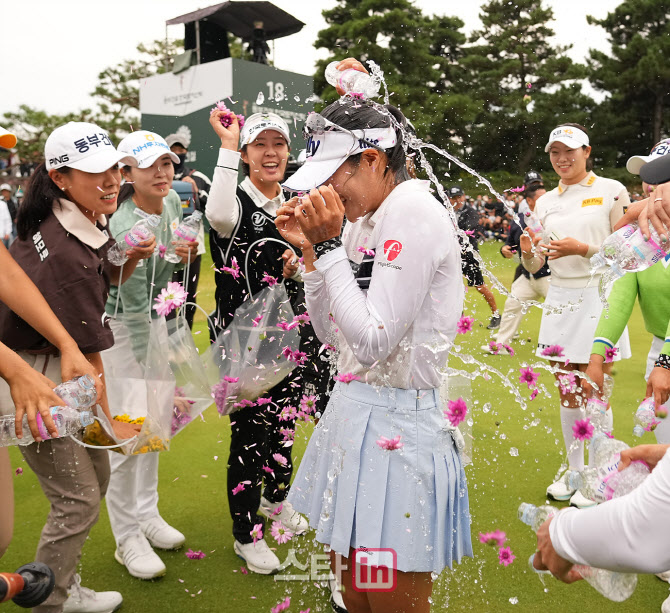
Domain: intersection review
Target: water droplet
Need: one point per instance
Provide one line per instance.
(513, 600)
(260, 99)
(514, 452)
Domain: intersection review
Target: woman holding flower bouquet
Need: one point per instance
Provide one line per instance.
(576, 218)
(132, 495)
(382, 481)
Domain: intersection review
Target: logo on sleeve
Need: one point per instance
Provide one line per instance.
(392, 249)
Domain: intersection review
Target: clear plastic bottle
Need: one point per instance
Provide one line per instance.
(187, 231)
(352, 81)
(605, 481)
(143, 230)
(612, 585)
(68, 421)
(78, 393)
(645, 417)
(533, 222)
(596, 407)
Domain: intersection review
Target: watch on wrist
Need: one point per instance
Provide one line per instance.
(663, 361)
(325, 246)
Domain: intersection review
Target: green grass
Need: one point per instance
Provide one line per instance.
(193, 498)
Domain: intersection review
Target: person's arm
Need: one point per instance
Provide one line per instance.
(531, 258)
(631, 214)
(619, 535)
(19, 293)
(222, 208)
(373, 325)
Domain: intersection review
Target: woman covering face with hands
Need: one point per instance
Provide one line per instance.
(381, 470)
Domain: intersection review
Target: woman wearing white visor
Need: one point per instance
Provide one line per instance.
(577, 216)
(381, 482)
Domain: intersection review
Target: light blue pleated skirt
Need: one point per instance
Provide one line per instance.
(356, 494)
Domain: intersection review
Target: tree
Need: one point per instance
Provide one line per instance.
(419, 56)
(527, 85)
(636, 75)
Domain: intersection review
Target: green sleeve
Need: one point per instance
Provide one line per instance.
(613, 321)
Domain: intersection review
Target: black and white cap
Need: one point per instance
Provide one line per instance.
(532, 177)
(455, 191)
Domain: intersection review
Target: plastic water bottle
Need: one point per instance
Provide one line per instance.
(533, 222)
(68, 421)
(187, 231)
(612, 585)
(605, 481)
(352, 81)
(645, 417)
(78, 393)
(596, 407)
(142, 231)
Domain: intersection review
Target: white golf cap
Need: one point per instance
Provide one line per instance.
(7, 139)
(5, 186)
(146, 147)
(568, 135)
(327, 151)
(634, 164)
(258, 122)
(181, 136)
(83, 146)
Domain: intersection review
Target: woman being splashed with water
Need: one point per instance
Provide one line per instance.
(576, 218)
(381, 482)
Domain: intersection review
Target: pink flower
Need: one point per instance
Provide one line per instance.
(299, 357)
(366, 251)
(256, 320)
(583, 429)
(195, 555)
(515, 189)
(271, 281)
(171, 297)
(243, 570)
(257, 532)
(307, 403)
(529, 377)
(505, 556)
(227, 117)
(464, 325)
(534, 394)
(494, 347)
(287, 433)
(18, 471)
(287, 413)
(302, 319)
(282, 606)
(231, 379)
(567, 383)
(261, 401)
(220, 394)
(233, 269)
(240, 487)
(652, 426)
(243, 403)
(347, 377)
(285, 325)
(553, 351)
(280, 533)
(469, 232)
(496, 538)
(610, 354)
(456, 411)
(390, 444)
(509, 349)
(267, 469)
(161, 251)
(279, 458)
(287, 352)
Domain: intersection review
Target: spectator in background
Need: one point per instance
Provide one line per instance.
(5, 221)
(179, 142)
(12, 205)
(468, 221)
(526, 286)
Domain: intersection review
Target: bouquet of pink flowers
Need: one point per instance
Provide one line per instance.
(227, 118)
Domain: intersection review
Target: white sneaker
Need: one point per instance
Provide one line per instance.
(560, 490)
(136, 554)
(665, 607)
(579, 500)
(288, 516)
(664, 576)
(161, 534)
(258, 556)
(336, 600)
(84, 600)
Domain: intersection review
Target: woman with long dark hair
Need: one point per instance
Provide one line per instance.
(382, 481)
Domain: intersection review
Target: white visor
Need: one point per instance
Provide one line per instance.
(634, 164)
(7, 139)
(327, 152)
(568, 135)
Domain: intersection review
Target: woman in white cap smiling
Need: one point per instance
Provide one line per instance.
(62, 245)
(382, 481)
(132, 495)
(577, 216)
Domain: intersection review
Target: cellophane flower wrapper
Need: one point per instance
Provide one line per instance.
(250, 349)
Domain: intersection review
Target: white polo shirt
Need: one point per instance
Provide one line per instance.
(398, 332)
(586, 211)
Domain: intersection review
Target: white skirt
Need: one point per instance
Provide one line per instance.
(573, 327)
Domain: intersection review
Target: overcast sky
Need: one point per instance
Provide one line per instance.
(52, 51)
